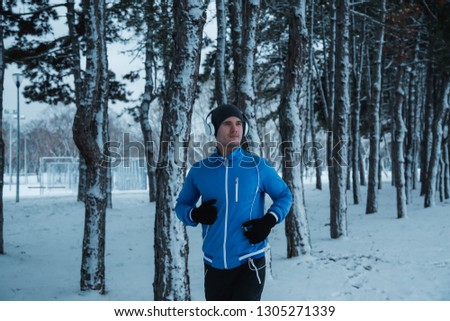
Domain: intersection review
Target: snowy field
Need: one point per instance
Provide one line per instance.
(383, 258)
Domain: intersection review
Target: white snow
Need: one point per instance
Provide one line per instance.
(383, 258)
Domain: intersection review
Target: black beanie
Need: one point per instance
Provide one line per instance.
(222, 112)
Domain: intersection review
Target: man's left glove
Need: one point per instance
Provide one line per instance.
(258, 229)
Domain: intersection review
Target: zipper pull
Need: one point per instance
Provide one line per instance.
(237, 189)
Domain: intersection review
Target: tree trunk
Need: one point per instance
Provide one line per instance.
(372, 189)
(418, 125)
(338, 197)
(331, 92)
(441, 175)
(361, 165)
(2, 142)
(171, 280)
(446, 156)
(297, 229)
(440, 110)
(398, 159)
(355, 113)
(78, 84)
(235, 17)
(411, 134)
(220, 88)
(317, 165)
(246, 93)
(427, 130)
(82, 189)
(90, 132)
(148, 98)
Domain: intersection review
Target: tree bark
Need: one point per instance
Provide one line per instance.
(296, 223)
(2, 142)
(427, 121)
(338, 197)
(412, 131)
(90, 132)
(355, 113)
(220, 84)
(78, 84)
(331, 92)
(446, 156)
(148, 98)
(437, 127)
(235, 17)
(361, 166)
(246, 98)
(312, 113)
(171, 281)
(398, 160)
(374, 158)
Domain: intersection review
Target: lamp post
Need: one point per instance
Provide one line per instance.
(10, 149)
(18, 80)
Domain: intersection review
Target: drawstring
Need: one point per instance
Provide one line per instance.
(253, 267)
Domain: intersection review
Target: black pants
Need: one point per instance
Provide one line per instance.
(244, 283)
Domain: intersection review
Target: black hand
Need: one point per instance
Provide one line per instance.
(258, 229)
(205, 213)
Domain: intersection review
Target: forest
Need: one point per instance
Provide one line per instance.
(349, 89)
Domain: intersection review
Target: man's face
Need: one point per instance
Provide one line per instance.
(229, 134)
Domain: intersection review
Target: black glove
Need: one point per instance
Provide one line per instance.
(205, 213)
(258, 229)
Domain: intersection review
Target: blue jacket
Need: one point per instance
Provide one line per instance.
(239, 182)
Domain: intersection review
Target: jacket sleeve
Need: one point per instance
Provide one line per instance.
(277, 189)
(186, 201)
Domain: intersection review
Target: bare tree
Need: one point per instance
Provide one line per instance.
(171, 280)
(297, 229)
(90, 133)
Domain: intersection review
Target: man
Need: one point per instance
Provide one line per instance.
(232, 184)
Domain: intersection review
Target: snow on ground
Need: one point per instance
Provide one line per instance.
(383, 258)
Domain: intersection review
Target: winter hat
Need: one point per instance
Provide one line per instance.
(222, 112)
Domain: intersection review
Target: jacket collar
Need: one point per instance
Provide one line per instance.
(235, 155)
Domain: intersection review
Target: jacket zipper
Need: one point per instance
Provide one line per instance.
(237, 189)
(226, 217)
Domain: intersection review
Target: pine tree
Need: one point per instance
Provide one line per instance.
(33, 23)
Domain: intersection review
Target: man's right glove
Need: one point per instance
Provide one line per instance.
(205, 213)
